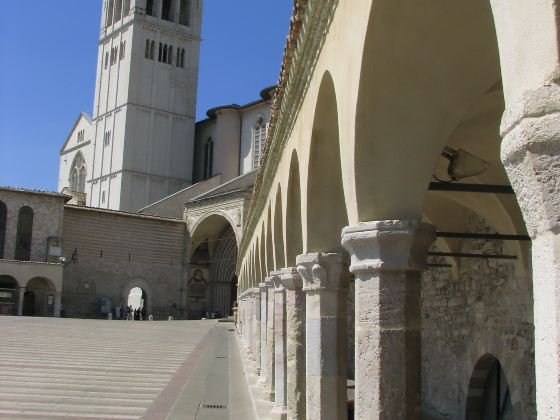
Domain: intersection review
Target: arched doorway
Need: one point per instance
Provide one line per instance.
(489, 396)
(211, 288)
(8, 295)
(39, 297)
(137, 299)
(138, 294)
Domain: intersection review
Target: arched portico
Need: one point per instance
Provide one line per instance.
(212, 259)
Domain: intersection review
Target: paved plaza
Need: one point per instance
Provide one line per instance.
(68, 368)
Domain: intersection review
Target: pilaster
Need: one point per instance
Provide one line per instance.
(531, 157)
(325, 284)
(295, 343)
(280, 407)
(264, 353)
(387, 259)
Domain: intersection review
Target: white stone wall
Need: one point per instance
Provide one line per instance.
(249, 117)
(72, 147)
(486, 307)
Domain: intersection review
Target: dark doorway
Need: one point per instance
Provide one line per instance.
(232, 294)
(29, 304)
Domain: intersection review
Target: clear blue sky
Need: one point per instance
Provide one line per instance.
(48, 54)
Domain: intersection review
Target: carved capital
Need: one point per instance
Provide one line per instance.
(531, 157)
(277, 281)
(323, 271)
(388, 245)
(291, 278)
(263, 287)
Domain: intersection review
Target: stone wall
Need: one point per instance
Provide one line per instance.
(482, 307)
(47, 220)
(116, 252)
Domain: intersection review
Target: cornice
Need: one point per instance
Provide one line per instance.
(309, 26)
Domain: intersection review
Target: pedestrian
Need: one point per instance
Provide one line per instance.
(144, 314)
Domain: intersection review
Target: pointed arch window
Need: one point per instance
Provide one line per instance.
(184, 12)
(24, 234)
(208, 158)
(259, 138)
(3, 216)
(150, 7)
(78, 174)
(110, 12)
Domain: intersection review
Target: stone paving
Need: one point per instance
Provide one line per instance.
(66, 368)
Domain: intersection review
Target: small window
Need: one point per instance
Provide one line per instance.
(103, 197)
(106, 60)
(166, 12)
(160, 55)
(107, 139)
(110, 13)
(147, 53)
(170, 55)
(165, 53)
(150, 7)
(152, 50)
(259, 138)
(24, 234)
(208, 159)
(182, 58)
(126, 8)
(178, 60)
(3, 217)
(185, 12)
(118, 10)
(123, 50)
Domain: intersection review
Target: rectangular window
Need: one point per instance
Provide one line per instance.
(166, 12)
(150, 7)
(170, 55)
(160, 56)
(123, 50)
(103, 197)
(107, 139)
(185, 12)
(178, 60)
(110, 13)
(118, 10)
(147, 53)
(152, 50)
(106, 60)
(126, 8)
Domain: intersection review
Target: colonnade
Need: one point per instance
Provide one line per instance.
(294, 326)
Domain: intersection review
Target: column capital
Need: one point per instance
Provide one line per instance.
(291, 279)
(263, 287)
(531, 156)
(255, 292)
(321, 271)
(388, 245)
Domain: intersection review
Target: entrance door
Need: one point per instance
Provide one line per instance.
(29, 304)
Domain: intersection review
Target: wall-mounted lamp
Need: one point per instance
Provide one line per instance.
(73, 258)
(463, 164)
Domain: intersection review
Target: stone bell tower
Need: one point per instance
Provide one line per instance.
(145, 102)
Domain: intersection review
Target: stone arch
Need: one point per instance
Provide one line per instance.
(39, 297)
(402, 121)
(293, 225)
(259, 269)
(263, 253)
(10, 297)
(145, 286)
(279, 256)
(211, 218)
(326, 205)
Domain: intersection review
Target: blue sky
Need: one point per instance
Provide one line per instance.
(48, 54)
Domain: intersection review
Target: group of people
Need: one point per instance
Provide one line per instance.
(137, 314)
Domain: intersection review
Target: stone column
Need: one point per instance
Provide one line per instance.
(264, 309)
(257, 328)
(57, 304)
(325, 283)
(280, 407)
(295, 343)
(268, 393)
(531, 156)
(387, 259)
(251, 320)
(20, 301)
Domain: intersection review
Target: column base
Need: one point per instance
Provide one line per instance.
(268, 395)
(279, 413)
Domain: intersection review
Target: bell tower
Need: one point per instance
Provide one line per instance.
(145, 102)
